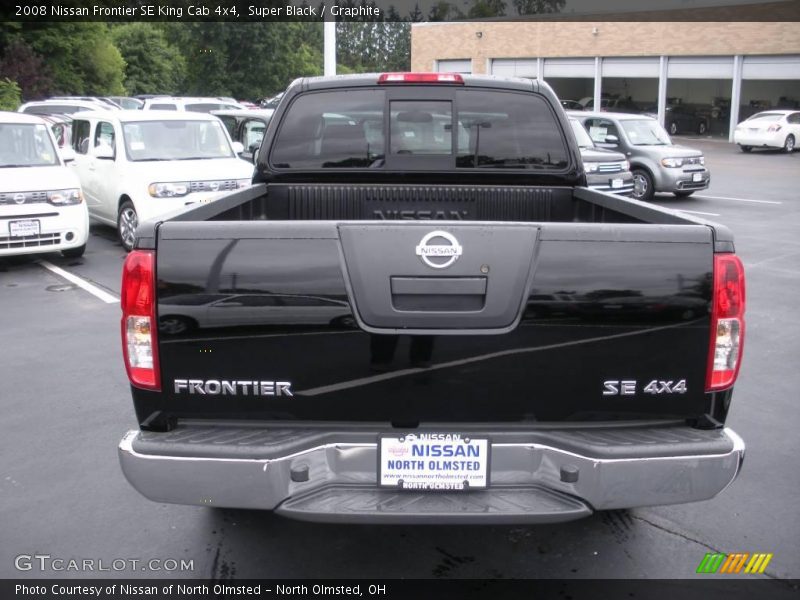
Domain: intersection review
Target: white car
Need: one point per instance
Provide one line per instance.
(62, 107)
(769, 129)
(137, 165)
(41, 204)
(190, 104)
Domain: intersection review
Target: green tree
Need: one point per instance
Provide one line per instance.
(246, 60)
(10, 94)
(535, 7)
(19, 63)
(80, 55)
(152, 64)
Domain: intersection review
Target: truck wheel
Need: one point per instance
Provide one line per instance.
(788, 145)
(642, 185)
(175, 324)
(127, 221)
(673, 128)
(702, 127)
(745, 149)
(74, 252)
(683, 193)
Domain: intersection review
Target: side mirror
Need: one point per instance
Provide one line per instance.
(238, 147)
(611, 139)
(67, 154)
(254, 149)
(104, 152)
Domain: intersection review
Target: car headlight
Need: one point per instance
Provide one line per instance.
(590, 167)
(703, 160)
(243, 183)
(672, 163)
(65, 197)
(626, 165)
(174, 189)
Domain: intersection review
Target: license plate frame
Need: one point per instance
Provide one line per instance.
(697, 177)
(431, 472)
(24, 228)
(617, 183)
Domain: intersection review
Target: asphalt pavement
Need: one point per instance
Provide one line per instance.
(66, 404)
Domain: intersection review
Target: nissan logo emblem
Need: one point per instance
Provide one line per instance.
(19, 198)
(439, 249)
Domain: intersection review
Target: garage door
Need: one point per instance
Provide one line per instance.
(771, 67)
(700, 67)
(515, 67)
(568, 67)
(459, 65)
(630, 67)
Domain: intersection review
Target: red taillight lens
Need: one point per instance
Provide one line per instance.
(139, 340)
(774, 128)
(421, 78)
(727, 323)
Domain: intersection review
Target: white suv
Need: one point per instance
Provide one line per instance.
(190, 104)
(41, 205)
(137, 165)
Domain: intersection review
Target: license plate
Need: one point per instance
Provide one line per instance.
(433, 461)
(697, 177)
(616, 183)
(24, 228)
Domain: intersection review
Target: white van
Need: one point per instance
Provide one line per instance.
(192, 104)
(41, 204)
(135, 165)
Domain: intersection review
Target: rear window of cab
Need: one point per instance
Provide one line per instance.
(476, 129)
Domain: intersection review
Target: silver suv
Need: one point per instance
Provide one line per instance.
(657, 164)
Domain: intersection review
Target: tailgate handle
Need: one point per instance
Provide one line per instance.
(438, 286)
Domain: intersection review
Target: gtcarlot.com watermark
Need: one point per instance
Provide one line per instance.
(47, 563)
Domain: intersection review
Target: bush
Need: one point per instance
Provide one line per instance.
(10, 94)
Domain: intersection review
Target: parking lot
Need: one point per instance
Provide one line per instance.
(66, 404)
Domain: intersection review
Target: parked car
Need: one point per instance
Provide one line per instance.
(184, 313)
(128, 103)
(272, 102)
(657, 164)
(103, 101)
(247, 127)
(680, 118)
(769, 129)
(606, 170)
(135, 165)
(625, 105)
(61, 126)
(41, 204)
(571, 105)
(190, 104)
(62, 107)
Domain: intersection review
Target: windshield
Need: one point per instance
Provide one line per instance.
(646, 132)
(175, 140)
(584, 141)
(26, 145)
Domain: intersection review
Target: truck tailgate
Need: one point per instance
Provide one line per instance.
(361, 322)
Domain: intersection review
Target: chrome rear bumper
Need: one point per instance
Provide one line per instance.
(330, 475)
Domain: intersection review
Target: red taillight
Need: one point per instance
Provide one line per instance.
(727, 323)
(139, 340)
(774, 128)
(421, 78)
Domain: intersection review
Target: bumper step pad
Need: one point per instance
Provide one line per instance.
(528, 504)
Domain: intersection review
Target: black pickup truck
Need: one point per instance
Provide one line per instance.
(420, 313)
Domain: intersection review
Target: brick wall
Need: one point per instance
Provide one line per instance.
(435, 41)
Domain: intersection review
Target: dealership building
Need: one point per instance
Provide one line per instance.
(725, 70)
